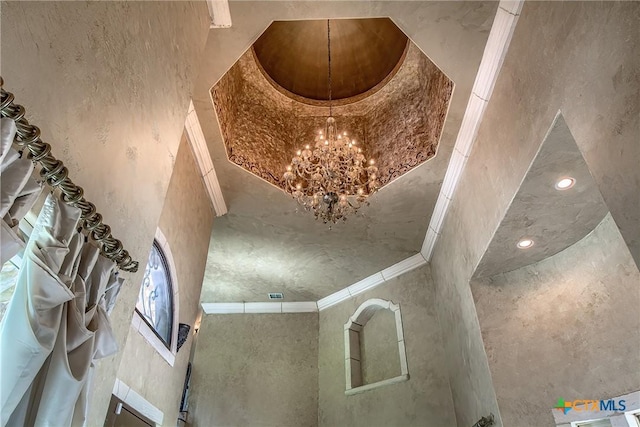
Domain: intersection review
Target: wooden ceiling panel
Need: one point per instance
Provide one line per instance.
(363, 53)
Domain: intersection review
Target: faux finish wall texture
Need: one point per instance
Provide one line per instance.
(261, 217)
(379, 354)
(256, 369)
(186, 208)
(580, 64)
(565, 327)
(108, 83)
(425, 399)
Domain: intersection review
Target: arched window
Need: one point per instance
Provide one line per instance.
(155, 301)
(156, 314)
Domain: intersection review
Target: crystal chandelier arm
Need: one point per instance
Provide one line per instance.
(332, 179)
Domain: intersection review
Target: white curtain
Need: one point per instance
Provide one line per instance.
(18, 191)
(56, 324)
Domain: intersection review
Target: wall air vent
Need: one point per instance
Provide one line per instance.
(276, 295)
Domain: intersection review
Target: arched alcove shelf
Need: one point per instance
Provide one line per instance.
(352, 330)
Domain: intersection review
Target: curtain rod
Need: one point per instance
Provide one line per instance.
(56, 175)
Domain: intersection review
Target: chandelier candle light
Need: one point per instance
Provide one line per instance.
(331, 178)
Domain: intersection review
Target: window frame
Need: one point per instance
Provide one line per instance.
(633, 417)
(167, 269)
(140, 324)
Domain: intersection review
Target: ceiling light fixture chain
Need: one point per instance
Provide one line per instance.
(332, 178)
(329, 62)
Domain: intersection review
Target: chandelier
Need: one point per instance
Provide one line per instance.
(331, 177)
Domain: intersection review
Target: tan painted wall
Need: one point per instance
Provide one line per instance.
(187, 208)
(452, 34)
(424, 400)
(564, 327)
(569, 56)
(379, 353)
(109, 84)
(256, 370)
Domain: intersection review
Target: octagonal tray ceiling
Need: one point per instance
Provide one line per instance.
(399, 125)
(264, 244)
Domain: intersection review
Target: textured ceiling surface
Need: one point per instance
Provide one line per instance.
(399, 126)
(363, 52)
(553, 219)
(263, 245)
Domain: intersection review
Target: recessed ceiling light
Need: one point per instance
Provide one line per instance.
(525, 243)
(565, 183)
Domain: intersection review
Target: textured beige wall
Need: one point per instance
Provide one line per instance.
(453, 35)
(580, 64)
(187, 208)
(256, 370)
(424, 400)
(565, 327)
(109, 83)
(379, 353)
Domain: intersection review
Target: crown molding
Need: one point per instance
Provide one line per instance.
(361, 286)
(403, 266)
(259, 307)
(349, 292)
(223, 307)
(220, 13)
(300, 307)
(201, 152)
(372, 281)
(263, 307)
(495, 51)
(334, 298)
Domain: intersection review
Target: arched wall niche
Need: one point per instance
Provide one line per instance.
(353, 361)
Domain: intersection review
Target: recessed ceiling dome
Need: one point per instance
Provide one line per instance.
(363, 52)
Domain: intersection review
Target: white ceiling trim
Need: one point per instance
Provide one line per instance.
(259, 307)
(495, 51)
(220, 13)
(363, 285)
(372, 281)
(201, 152)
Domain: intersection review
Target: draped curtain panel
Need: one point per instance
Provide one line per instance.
(56, 324)
(18, 190)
